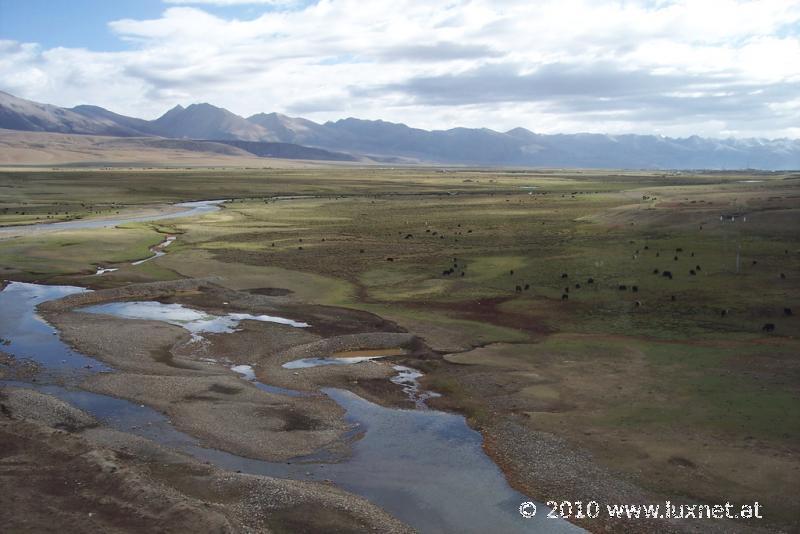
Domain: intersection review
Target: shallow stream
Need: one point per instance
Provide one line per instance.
(426, 467)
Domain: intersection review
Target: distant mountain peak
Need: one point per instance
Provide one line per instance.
(389, 141)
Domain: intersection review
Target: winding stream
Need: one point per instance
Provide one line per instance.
(426, 467)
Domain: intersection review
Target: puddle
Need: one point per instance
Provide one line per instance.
(425, 467)
(104, 270)
(317, 362)
(195, 321)
(346, 357)
(407, 378)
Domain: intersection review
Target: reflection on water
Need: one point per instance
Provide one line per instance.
(249, 374)
(426, 467)
(29, 336)
(195, 321)
(408, 379)
(316, 362)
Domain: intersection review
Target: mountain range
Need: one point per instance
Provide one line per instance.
(276, 135)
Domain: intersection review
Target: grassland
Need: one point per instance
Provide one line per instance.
(673, 385)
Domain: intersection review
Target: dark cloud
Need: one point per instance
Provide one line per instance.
(442, 51)
(601, 89)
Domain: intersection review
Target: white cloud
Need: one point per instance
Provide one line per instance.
(338, 58)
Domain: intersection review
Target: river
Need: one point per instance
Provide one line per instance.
(426, 467)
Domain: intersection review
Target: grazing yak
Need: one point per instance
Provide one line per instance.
(769, 327)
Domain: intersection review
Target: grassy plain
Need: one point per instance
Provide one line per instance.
(673, 385)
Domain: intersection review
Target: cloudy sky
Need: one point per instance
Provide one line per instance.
(709, 67)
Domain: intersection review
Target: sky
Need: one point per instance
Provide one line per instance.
(715, 68)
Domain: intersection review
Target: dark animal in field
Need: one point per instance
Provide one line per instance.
(638, 303)
(723, 313)
(408, 236)
(361, 251)
(769, 327)
(566, 290)
(623, 287)
(655, 271)
(299, 248)
(787, 312)
(518, 289)
(783, 276)
(511, 272)
(692, 272)
(389, 259)
(527, 287)
(667, 274)
(564, 297)
(646, 247)
(462, 273)
(675, 258)
(672, 298)
(693, 254)
(563, 275)
(590, 281)
(678, 250)
(755, 262)
(448, 272)
(658, 254)
(577, 286)
(697, 268)
(635, 289)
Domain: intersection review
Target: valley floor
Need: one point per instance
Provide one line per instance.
(617, 337)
